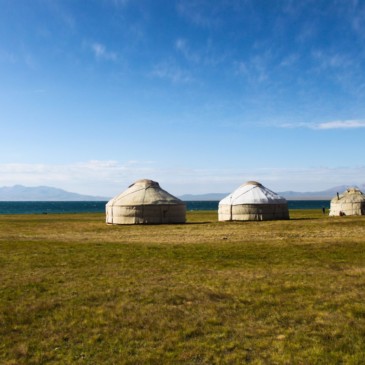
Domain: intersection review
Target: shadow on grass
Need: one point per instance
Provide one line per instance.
(304, 219)
(198, 222)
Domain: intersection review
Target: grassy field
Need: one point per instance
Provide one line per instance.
(76, 291)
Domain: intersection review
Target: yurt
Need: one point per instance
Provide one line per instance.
(144, 202)
(351, 202)
(252, 202)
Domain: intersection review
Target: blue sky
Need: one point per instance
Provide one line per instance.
(198, 95)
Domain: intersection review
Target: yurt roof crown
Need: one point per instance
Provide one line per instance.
(145, 183)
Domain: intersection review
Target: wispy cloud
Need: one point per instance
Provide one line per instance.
(311, 178)
(256, 69)
(21, 57)
(332, 60)
(340, 124)
(100, 52)
(289, 60)
(172, 72)
(91, 177)
(356, 13)
(183, 47)
(344, 69)
(107, 178)
(336, 124)
(198, 12)
(204, 54)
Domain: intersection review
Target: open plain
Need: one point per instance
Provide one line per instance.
(74, 290)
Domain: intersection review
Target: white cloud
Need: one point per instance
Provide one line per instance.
(101, 52)
(340, 124)
(336, 124)
(293, 125)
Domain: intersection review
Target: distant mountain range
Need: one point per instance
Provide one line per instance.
(43, 193)
(47, 193)
(317, 195)
(289, 195)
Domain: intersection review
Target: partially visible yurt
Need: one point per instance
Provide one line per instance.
(252, 202)
(144, 202)
(351, 202)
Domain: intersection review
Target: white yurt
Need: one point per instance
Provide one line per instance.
(144, 202)
(252, 202)
(351, 202)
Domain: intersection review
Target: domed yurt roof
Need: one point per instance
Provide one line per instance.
(144, 192)
(252, 192)
(252, 201)
(351, 202)
(145, 202)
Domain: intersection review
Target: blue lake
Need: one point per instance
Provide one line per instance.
(43, 207)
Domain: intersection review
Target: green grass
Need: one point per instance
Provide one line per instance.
(76, 291)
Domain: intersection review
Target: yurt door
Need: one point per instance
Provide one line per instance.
(164, 214)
